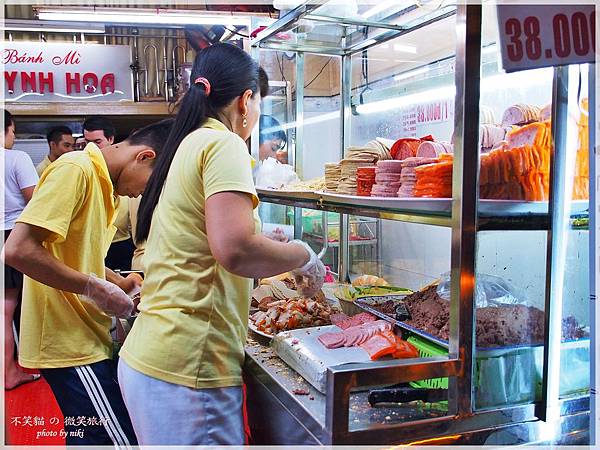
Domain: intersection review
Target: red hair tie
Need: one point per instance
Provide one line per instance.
(205, 82)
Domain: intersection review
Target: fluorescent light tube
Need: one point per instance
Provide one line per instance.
(398, 6)
(405, 48)
(497, 82)
(310, 121)
(140, 16)
(407, 100)
(38, 26)
(411, 73)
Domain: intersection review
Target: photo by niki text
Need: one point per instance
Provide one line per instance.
(40, 423)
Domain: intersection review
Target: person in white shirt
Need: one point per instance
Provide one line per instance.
(20, 178)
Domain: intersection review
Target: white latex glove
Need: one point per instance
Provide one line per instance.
(277, 235)
(310, 277)
(109, 297)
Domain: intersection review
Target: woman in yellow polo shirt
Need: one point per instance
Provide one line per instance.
(181, 366)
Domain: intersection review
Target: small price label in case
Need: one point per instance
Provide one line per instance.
(534, 36)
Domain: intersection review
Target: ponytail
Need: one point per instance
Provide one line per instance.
(191, 113)
(229, 72)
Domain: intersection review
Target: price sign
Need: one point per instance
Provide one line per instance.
(546, 35)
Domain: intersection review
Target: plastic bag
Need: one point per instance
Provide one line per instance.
(489, 291)
(272, 174)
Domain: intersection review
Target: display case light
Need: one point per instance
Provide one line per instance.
(141, 16)
(411, 73)
(407, 100)
(397, 5)
(403, 48)
(400, 48)
(500, 81)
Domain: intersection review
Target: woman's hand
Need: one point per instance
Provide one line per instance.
(310, 277)
(277, 235)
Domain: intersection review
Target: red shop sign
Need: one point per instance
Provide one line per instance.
(64, 72)
(534, 36)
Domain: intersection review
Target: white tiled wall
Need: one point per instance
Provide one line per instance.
(322, 138)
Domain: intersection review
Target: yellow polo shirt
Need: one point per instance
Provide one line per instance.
(42, 165)
(122, 222)
(74, 201)
(137, 262)
(194, 314)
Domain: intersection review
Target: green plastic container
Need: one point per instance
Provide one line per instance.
(514, 375)
(428, 350)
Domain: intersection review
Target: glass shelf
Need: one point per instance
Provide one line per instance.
(493, 214)
(345, 29)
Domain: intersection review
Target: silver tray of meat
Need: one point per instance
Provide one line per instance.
(303, 352)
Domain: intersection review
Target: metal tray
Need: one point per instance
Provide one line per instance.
(260, 336)
(425, 205)
(303, 352)
(487, 208)
(265, 338)
(493, 208)
(481, 352)
(304, 195)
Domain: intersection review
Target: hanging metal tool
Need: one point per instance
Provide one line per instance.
(325, 230)
(364, 61)
(135, 66)
(176, 65)
(166, 70)
(154, 49)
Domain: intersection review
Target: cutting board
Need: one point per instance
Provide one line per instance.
(302, 351)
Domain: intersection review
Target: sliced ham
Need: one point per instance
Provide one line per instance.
(520, 114)
(332, 340)
(405, 148)
(513, 115)
(344, 322)
(490, 136)
(429, 149)
(355, 335)
(336, 319)
(523, 136)
(546, 112)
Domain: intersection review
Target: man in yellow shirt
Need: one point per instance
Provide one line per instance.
(61, 141)
(101, 131)
(59, 242)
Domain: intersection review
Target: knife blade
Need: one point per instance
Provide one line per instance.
(406, 394)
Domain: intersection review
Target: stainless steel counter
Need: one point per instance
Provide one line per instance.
(275, 390)
(283, 409)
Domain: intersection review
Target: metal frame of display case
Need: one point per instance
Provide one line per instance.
(465, 222)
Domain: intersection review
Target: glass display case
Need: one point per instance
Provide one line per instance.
(499, 262)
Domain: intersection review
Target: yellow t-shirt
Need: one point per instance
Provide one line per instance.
(137, 262)
(122, 220)
(74, 201)
(194, 314)
(42, 165)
